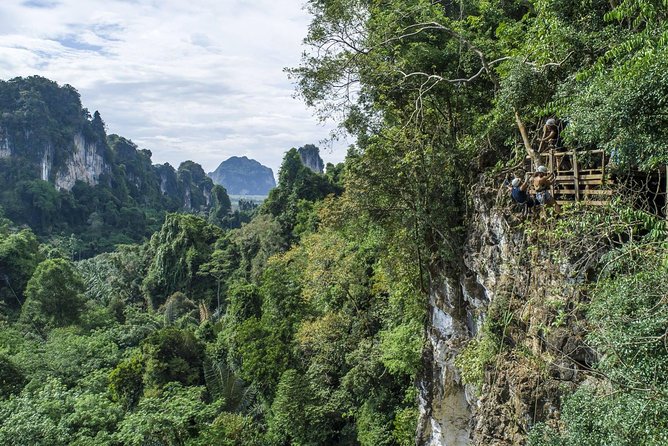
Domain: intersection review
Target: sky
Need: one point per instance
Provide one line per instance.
(199, 79)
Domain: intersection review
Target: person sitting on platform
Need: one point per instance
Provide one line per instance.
(542, 183)
(518, 191)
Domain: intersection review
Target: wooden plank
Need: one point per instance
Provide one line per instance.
(599, 182)
(551, 169)
(596, 202)
(593, 176)
(585, 202)
(580, 177)
(598, 192)
(587, 192)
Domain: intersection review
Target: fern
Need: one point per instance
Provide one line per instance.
(178, 308)
(213, 378)
(224, 385)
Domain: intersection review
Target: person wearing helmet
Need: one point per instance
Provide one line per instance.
(542, 183)
(518, 191)
(550, 135)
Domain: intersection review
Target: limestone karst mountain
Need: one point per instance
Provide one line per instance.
(310, 156)
(61, 173)
(243, 176)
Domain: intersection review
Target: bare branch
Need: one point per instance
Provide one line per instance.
(549, 64)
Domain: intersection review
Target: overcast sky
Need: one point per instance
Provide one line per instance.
(197, 79)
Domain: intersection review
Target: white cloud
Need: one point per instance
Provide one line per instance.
(200, 80)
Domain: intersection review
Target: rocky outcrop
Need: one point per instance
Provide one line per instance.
(512, 288)
(86, 164)
(47, 136)
(310, 156)
(243, 176)
(79, 160)
(168, 183)
(195, 186)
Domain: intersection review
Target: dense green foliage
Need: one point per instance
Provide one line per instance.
(177, 251)
(627, 404)
(53, 295)
(19, 256)
(305, 344)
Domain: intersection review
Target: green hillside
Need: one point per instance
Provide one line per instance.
(63, 176)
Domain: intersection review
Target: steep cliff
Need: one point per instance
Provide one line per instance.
(506, 336)
(47, 131)
(310, 156)
(195, 185)
(78, 158)
(44, 128)
(5, 151)
(243, 176)
(86, 163)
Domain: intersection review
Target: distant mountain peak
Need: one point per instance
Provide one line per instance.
(241, 175)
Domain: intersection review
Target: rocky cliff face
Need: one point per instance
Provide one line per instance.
(243, 176)
(504, 341)
(87, 163)
(168, 183)
(310, 156)
(87, 160)
(60, 173)
(82, 160)
(445, 414)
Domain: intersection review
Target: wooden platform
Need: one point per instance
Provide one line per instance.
(579, 176)
(585, 177)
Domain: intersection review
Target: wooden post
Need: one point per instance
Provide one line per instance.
(551, 170)
(576, 176)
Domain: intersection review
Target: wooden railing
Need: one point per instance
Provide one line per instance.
(586, 177)
(579, 176)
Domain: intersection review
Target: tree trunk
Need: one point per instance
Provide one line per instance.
(525, 139)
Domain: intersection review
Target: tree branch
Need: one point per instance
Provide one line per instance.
(525, 139)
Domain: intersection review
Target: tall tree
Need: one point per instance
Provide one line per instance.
(19, 256)
(177, 251)
(53, 295)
